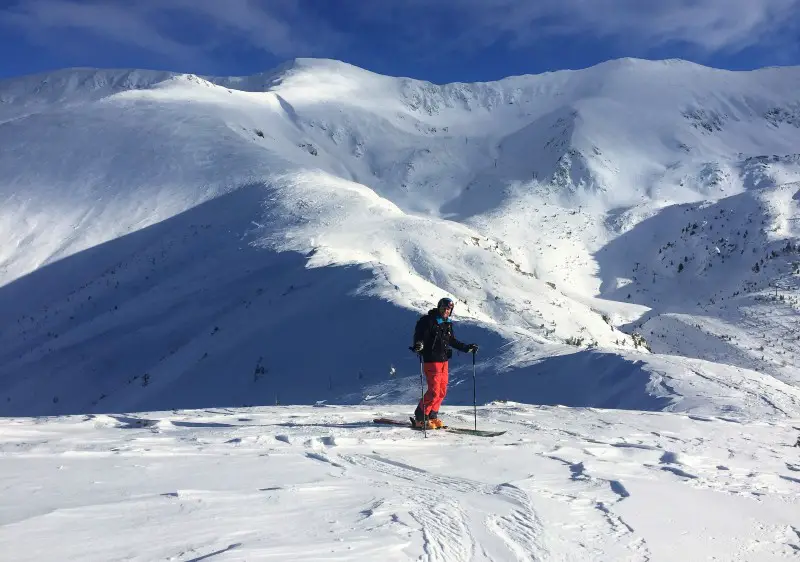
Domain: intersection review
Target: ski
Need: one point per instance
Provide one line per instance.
(477, 432)
(447, 428)
(388, 421)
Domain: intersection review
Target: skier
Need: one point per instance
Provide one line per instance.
(433, 337)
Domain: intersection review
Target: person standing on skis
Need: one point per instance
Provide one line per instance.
(433, 338)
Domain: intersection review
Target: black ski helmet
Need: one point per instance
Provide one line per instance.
(445, 303)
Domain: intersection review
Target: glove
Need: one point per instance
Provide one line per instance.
(418, 347)
(472, 348)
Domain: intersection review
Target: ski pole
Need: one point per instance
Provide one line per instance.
(422, 399)
(474, 392)
(422, 394)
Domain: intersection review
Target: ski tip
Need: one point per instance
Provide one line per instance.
(389, 421)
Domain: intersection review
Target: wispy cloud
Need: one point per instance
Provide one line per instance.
(710, 25)
(707, 25)
(278, 27)
(39, 18)
(289, 28)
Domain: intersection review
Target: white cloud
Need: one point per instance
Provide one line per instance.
(278, 27)
(709, 25)
(289, 28)
(40, 17)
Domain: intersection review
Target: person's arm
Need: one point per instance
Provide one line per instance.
(420, 333)
(459, 345)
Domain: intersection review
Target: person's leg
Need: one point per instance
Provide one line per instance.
(440, 388)
(424, 407)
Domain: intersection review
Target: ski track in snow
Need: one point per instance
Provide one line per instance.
(442, 517)
(522, 530)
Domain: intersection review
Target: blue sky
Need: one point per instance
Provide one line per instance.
(436, 40)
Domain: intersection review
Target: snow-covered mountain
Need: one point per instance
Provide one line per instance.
(621, 236)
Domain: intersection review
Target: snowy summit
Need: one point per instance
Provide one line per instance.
(213, 282)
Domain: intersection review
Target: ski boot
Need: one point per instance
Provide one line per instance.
(420, 424)
(436, 423)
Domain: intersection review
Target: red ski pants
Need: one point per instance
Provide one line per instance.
(436, 374)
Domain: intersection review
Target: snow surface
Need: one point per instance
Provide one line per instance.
(306, 483)
(621, 241)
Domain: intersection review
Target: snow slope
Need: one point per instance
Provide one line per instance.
(175, 241)
(306, 483)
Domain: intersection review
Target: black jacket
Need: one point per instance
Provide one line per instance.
(437, 337)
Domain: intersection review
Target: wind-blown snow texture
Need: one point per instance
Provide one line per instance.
(305, 483)
(175, 241)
